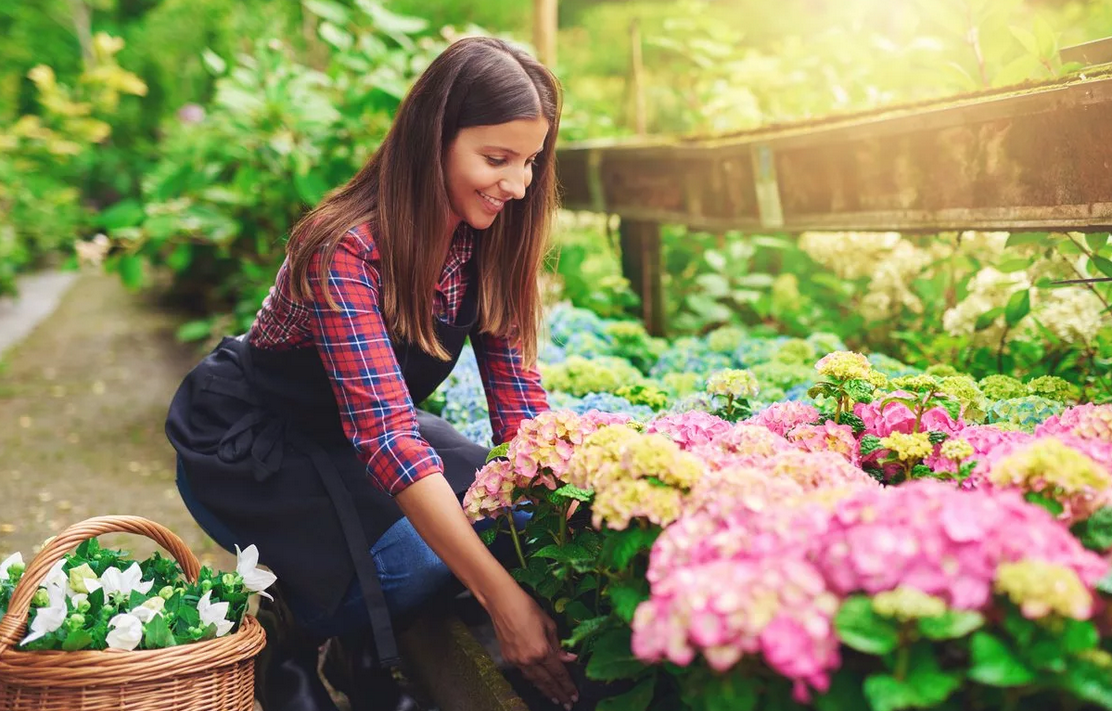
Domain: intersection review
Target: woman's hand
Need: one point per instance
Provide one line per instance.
(529, 641)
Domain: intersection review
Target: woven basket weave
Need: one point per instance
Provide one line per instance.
(214, 675)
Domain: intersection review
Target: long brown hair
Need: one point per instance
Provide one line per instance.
(401, 192)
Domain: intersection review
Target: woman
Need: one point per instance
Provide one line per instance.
(301, 436)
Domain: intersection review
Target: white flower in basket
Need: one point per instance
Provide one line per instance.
(126, 632)
(247, 565)
(214, 613)
(118, 584)
(49, 618)
(14, 559)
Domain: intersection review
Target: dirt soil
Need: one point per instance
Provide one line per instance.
(83, 400)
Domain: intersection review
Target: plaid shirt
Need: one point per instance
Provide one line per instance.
(377, 412)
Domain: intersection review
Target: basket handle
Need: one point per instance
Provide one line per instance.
(14, 624)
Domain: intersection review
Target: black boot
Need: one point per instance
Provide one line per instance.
(351, 667)
(286, 677)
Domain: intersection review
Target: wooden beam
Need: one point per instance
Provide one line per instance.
(1034, 159)
(1090, 53)
(544, 31)
(640, 244)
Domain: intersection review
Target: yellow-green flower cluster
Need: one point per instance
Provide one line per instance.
(681, 384)
(724, 339)
(907, 603)
(640, 394)
(915, 383)
(1002, 387)
(1052, 388)
(908, 447)
(795, 350)
(844, 365)
(633, 475)
(957, 450)
(579, 376)
(733, 383)
(878, 380)
(941, 370)
(1049, 466)
(1040, 589)
(964, 389)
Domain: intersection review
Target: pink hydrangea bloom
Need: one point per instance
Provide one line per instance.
(543, 446)
(781, 417)
(983, 439)
(1083, 421)
(491, 495)
(897, 417)
(689, 429)
(827, 437)
(942, 541)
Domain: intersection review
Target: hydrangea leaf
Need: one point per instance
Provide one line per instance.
(860, 627)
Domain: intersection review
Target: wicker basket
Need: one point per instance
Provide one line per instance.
(214, 675)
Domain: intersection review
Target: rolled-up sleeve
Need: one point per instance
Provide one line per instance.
(376, 409)
(513, 391)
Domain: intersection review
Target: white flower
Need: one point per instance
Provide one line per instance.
(126, 632)
(56, 578)
(149, 609)
(14, 559)
(77, 600)
(254, 579)
(122, 584)
(49, 618)
(214, 613)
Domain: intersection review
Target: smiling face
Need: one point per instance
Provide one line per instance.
(487, 166)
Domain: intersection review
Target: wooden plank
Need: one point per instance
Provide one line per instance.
(1032, 159)
(640, 243)
(1090, 53)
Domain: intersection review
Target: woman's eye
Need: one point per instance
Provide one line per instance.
(495, 161)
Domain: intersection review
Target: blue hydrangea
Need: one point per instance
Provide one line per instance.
(606, 402)
(891, 367)
(798, 393)
(586, 344)
(552, 354)
(479, 432)
(464, 398)
(689, 355)
(754, 349)
(564, 320)
(825, 342)
(562, 401)
(1026, 412)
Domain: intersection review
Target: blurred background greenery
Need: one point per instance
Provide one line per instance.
(176, 141)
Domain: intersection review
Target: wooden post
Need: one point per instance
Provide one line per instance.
(641, 264)
(637, 77)
(544, 31)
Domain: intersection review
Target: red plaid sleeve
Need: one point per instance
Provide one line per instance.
(375, 407)
(514, 392)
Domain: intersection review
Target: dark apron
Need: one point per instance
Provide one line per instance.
(263, 448)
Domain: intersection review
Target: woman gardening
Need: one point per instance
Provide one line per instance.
(301, 436)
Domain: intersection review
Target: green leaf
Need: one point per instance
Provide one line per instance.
(1104, 585)
(612, 658)
(860, 390)
(636, 699)
(861, 628)
(194, 331)
(126, 213)
(1095, 533)
(1079, 636)
(996, 665)
(1046, 502)
(567, 553)
(1019, 305)
(488, 535)
(952, 624)
(310, 186)
(869, 444)
(626, 596)
(130, 268)
(500, 451)
(156, 634)
(622, 547)
(1088, 682)
(987, 318)
(573, 492)
(887, 693)
(722, 692)
(586, 628)
(328, 10)
(77, 639)
(854, 422)
(1104, 266)
(1017, 239)
(180, 259)
(845, 694)
(1096, 241)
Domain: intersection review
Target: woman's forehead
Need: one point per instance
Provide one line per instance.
(521, 136)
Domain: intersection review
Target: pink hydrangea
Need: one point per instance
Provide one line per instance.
(942, 541)
(742, 445)
(827, 437)
(543, 446)
(983, 439)
(491, 494)
(592, 420)
(897, 417)
(689, 429)
(1083, 421)
(781, 417)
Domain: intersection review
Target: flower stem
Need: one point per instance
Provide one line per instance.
(517, 541)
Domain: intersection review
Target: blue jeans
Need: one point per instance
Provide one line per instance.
(409, 572)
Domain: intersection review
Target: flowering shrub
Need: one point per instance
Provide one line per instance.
(95, 598)
(877, 549)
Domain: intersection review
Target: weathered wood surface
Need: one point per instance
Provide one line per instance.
(1037, 159)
